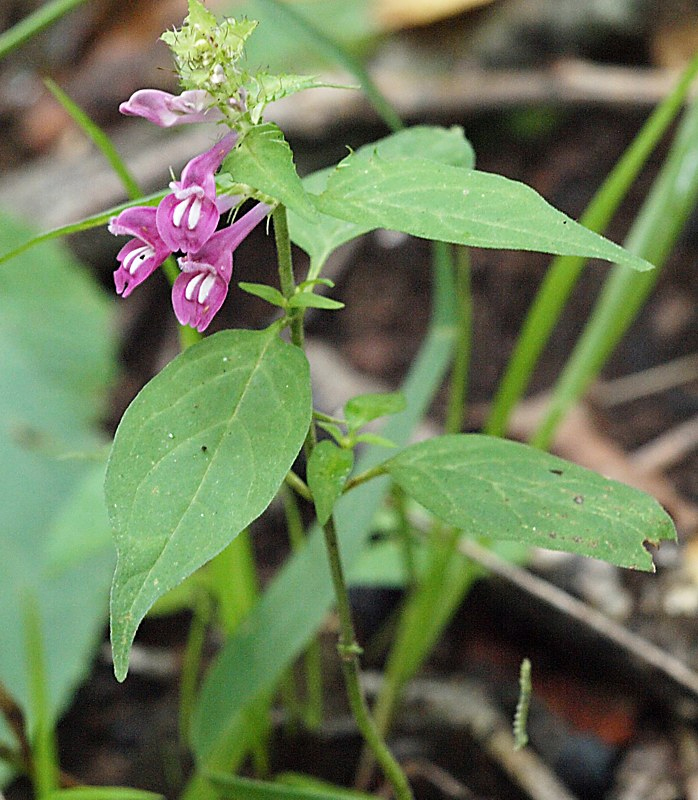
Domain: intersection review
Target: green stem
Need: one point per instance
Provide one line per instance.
(364, 477)
(349, 654)
(348, 648)
(312, 712)
(191, 662)
(299, 486)
(287, 280)
(458, 388)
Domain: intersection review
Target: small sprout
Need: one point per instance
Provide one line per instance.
(522, 707)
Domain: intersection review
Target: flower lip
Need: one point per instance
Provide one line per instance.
(165, 109)
(143, 254)
(200, 289)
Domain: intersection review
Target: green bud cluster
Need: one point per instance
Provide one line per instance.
(206, 52)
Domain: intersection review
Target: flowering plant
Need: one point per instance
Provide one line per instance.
(230, 423)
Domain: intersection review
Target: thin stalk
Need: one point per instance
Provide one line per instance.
(458, 388)
(652, 236)
(564, 271)
(98, 137)
(35, 23)
(287, 280)
(312, 712)
(349, 655)
(348, 647)
(430, 605)
(45, 770)
(191, 662)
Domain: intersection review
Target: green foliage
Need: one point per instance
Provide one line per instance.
(321, 236)
(365, 408)
(199, 454)
(328, 469)
(292, 787)
(55, 364)
(102, 793)
(453, 204)
(295, 603)
(500, 489)
(264, 160)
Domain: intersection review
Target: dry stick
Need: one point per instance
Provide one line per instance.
(637, 646)
(464, 704)
(647, 382)
(668, 448)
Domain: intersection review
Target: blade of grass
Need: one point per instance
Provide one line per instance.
(85, 224)
(652, 236)
(98, 137)
(564, 271)
(35, 23)
(325, 45)
(45, 769)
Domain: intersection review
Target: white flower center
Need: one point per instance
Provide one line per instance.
(199, 287)
(189, 207)
(137, 257)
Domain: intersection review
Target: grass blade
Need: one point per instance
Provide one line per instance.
(653, 234)
(564, 271)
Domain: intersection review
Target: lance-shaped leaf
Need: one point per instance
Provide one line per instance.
(505, 490)
(320, 236)
(199, 454)
(459, 205)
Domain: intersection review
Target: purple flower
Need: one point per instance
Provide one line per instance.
(199, 292)
(165, 109)
(187, 217)
(140, 257)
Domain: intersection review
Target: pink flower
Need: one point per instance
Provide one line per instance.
(140, 257)
(199, 291)
(165, 109)
(187, 217)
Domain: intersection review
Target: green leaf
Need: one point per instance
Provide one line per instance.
(374, 438)
(56, 362)
(268, 293)
(312, 300)
(199, 454)
(462, 206)
(102, 793)
(235, 787)
(325, 234)
(505, 490)
(264, 161)
(328, 469)
(264, 88)
(364, 408)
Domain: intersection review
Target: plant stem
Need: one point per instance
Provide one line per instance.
(349, 654)
(287, 280)
(347, 646)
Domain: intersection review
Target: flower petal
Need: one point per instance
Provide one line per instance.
(197, 297)
(199, 171)
(165, 109)
(141, 256)
(188, 223)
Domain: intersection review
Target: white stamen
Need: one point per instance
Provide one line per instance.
(136, 258)
(192, 286)
(194, 214)
(205, 290)
(178, 213)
